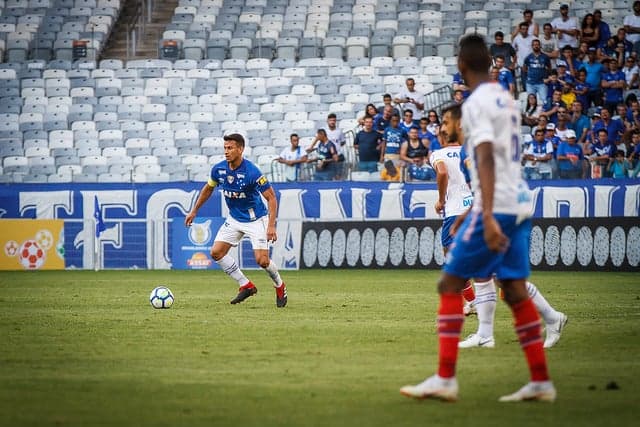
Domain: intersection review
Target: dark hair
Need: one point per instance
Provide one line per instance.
(474, 53)
(322, 132)
(385, 96)
(547, 24)
(525, 23)
(583, 25)
(619, 153)
(331, 116)
(292, 135)
(236, 137)
(498, 34)
(455, 110)
(499, 57)
(527, 11)
(603, 130)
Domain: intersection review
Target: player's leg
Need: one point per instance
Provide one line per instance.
(554, 320)
(229, 235)
(444, 385)
(511, 272)
(446, 239)
(485, 306)
(257, 232)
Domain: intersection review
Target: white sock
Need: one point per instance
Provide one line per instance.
(548, 313)
(230, 266)
(272, 271)
(485, 304)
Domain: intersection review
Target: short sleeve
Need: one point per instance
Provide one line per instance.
(212, 181)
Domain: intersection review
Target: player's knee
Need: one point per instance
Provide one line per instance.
(216, 254)
(263, 262)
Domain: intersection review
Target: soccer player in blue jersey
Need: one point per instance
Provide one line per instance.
(494, 237)
(242, 183)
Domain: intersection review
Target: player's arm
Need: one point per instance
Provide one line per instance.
(493, 236)
(442, 181)
(205, 193)
(272, 207)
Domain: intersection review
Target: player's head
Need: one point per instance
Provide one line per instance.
(473, 57)
(235, 137)
(450, 127)
(233, 148)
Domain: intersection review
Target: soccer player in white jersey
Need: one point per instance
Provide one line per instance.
(242, 183)
(454, 200)
(494, 237)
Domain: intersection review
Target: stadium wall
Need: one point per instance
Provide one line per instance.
(585, 225)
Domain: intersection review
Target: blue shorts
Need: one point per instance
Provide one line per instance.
(445, 237)
(469, 255)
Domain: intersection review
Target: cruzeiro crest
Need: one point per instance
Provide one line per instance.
(230, 179)
(199, 234)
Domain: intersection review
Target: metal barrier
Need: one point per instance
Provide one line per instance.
(438, 99)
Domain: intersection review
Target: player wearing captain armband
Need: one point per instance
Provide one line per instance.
(242, 184)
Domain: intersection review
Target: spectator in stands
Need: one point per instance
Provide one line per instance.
(367, 144)
(493, 74)
(522, 45)
(570, 158)
(335, 135)
(382, 120)
(634, 149)
(618, 166)
(581, 89)
(633, 116)
(579, 123)
(549, 43)
(631, 73)
(415, 154)
(550, 135)
(564, 76)
(392, 140)
(543, 121)
(562, 123)
(583, 50)
(567, 55)
(532, 28)
(551, 106)
(411, 99)
(603, 28)
(293, 157)
(600, 151)
(622, 42)
(566, 28)
(458, 83)
(505, 76)
(589, 31)
(407, 121)
(428, 139)
(632, 23)
(537, 157)
(387, 100)
(458, 96)
(553, 83)
(613, 51)
(390, 172)
(369, 111)
(594, 71)
(501, 48)
(568, 96)
(326, 156)
(615, 128)
(531, 111)
(613, 83)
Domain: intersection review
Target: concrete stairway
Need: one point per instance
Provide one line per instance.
(148, 41)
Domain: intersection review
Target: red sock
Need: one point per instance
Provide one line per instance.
(528, 328)
(468, 293)
(450, 320)
(248, 285)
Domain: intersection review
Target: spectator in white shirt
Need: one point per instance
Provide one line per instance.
(566, 28)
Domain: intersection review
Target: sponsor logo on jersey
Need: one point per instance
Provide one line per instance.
(234, 194)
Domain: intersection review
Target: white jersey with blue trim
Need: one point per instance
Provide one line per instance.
(459, 197)
(491, 115)
(242, 188)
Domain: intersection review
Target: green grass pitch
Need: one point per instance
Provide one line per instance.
(85, 348)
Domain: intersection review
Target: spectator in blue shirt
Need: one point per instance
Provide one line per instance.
(367, 144)
(614, 127)
(600, 152)
(551, 106)
(505, 76)
(536, 66)
(614, 82)
(570, 158)
(382, 120)
(603, 28)
(552, 83)
(594, 71)
(459, 84)
(581, 89)
(579, 123)
(618, 167)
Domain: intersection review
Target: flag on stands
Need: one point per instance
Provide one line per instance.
(97, 214)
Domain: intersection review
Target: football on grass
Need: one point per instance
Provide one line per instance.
(161, 297)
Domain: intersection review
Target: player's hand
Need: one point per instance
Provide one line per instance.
(272, 236)
(493, 236)
(188, 220)
(439, 207)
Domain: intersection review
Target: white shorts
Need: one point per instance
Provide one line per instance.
(233, 231)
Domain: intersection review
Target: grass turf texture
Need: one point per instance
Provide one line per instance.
(85, 348)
